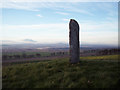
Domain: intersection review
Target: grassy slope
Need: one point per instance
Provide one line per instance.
(59, 73)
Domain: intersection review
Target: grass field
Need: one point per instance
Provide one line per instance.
(91, 72)
(105, 57)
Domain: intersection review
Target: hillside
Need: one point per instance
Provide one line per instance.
(91, 72)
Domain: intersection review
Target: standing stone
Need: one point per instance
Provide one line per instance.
(74, 41)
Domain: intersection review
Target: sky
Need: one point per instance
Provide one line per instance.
(48, 22)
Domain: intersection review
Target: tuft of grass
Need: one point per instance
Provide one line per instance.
(59, 73)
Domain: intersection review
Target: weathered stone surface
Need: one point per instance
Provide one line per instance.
(74, 41)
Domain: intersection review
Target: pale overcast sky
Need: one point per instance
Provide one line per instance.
(47, 22)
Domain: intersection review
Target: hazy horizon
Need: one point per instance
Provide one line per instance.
(63, 44)
(48, 22)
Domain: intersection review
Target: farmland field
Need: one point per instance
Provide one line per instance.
(90, 72)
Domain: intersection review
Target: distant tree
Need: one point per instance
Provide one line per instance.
(118, 51)
(30, 56)
(10, 57)
(53, 54)
(38, 55)
(113, 51)
(105, 52)
(66, 53)
(16, 56)
(24, 55)
(108, 51)
(4, 57)
(93, 51)
(59, 53)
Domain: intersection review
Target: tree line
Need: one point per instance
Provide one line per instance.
(109, 51)
(24, 55)
(103, 51)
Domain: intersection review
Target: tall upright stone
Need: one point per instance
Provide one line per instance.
(74, 41)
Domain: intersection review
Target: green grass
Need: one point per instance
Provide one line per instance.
(105, 57)
(59, 73)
